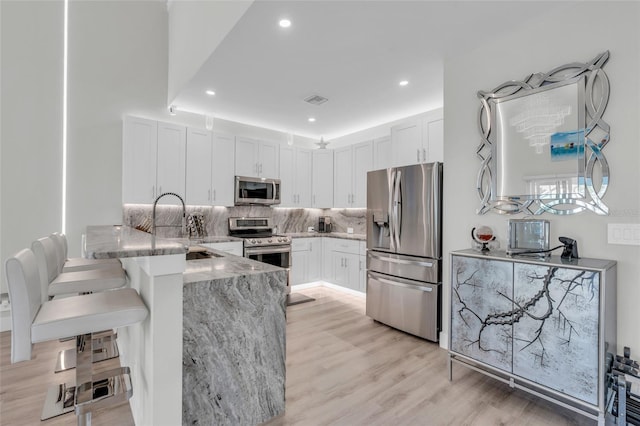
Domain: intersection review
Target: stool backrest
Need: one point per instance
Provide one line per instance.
(48, 263)
(60, 245)
(24, 293)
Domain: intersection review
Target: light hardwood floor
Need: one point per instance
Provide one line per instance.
(342, 369)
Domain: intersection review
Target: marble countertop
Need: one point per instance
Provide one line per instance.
(342, 235)
(223, 265)
(215, 239)
(117, 241)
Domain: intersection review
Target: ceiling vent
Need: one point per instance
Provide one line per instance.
(316, 100)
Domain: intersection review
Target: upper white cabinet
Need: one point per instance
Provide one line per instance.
(223, 170)
(351, 165)
(210, 168)
(256, 158)
(322, 179)
(382, 153)
(295, 176)
(153, 160)
(199, 153)
(418, 140)
(139, 151)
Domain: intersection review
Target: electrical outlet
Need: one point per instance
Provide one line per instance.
(624, 233)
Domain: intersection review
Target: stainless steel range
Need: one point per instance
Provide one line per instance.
(260, 243)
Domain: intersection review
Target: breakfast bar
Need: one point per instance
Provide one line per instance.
(212, 349)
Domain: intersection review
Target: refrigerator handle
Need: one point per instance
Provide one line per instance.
(397, 201)
(391, 208)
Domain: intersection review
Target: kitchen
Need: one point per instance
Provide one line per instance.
(95, 122)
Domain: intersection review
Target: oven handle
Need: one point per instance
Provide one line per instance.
(262, 250)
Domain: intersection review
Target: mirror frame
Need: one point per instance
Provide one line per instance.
(596, 134)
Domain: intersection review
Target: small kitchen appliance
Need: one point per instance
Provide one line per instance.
(324, 224)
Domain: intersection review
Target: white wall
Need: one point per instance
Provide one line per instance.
(196, 28)
(31, 124)
(117, 66)
(574, 34)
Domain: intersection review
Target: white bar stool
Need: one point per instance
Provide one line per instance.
(75, 264)
(35, 321)
(54, 283)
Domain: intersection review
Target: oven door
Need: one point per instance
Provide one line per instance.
(274, 255)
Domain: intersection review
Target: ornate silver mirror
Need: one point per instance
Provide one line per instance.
(542, 141)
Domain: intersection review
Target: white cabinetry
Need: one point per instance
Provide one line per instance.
(223, 171)
(139, 151)
(256, 158)
(322, 179)
(306, 260)
(346, 264)
(295, 177)
(210, 168)
(198, 174)
(351, 165)
(154, 160)
(232, 247)
(418, 140)
(382, 153)
(171, 159)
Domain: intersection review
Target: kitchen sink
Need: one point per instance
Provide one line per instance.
(195, 255)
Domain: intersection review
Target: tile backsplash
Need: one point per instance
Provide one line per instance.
(215, 219)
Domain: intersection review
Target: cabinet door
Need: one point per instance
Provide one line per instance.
(327, 259)
(482, 310)
(198, 172)
(362, 163)
(406, 142)
(435, 139)
(223, 171)
(352, 264)
(555, 340)
(269, 160)
(139, 150)
(340, 273)
(315, 259)
(322, 179)
(303, 177)
(287, 180)
(171, 161)
(247, 157)
(342, 177)
(382, 153)
(299, 267)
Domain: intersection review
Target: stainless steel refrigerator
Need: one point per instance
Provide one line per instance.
(404, 248)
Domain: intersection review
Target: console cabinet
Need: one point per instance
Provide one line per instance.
(540, 324)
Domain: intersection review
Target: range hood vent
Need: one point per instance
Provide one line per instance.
(316, 100)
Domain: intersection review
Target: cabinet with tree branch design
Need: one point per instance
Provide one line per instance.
(543, 325)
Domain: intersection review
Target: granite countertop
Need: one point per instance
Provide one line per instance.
(117, 241)
(223, 265)
(342, 235)
(215, 239)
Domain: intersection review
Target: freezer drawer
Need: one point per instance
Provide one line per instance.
(410, 267)
(410, 306)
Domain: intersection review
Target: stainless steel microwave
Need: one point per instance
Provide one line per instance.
(250, 190)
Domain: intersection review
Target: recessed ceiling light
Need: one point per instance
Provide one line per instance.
(403, 83)
(210, 92)
(311, 119)
(284, 23)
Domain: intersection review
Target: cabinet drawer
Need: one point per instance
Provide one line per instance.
(301, 244)
(345, 246)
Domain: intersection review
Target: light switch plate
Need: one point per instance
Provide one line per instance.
(624, 233)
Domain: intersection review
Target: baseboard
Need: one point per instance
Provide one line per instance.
(306, 285)
(329, 285)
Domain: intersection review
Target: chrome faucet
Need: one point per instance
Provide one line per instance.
(153, 217)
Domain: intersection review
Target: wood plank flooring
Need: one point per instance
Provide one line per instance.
(342, 369)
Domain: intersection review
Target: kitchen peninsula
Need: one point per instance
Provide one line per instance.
(215, 336)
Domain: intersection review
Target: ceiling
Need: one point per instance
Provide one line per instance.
(354, 53)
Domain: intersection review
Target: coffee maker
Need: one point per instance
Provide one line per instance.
(324, 224)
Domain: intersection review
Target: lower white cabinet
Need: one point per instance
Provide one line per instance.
(306, 260)
(335, 260)
(232, 247)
